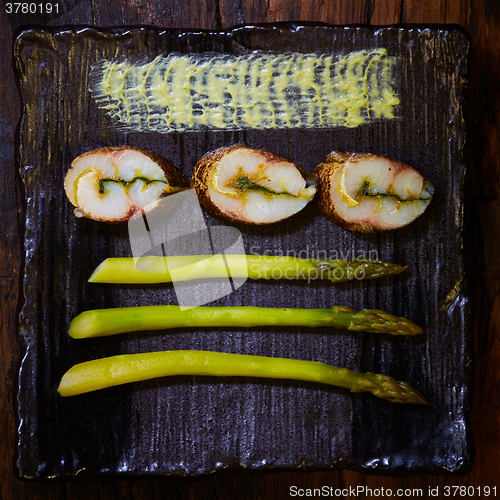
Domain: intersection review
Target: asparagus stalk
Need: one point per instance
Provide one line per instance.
(102, 322)
(122, 369)
(156, 269)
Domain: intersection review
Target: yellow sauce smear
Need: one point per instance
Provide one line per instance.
(260, 91)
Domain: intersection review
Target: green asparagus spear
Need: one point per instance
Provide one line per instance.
(122, 369)
(102, 322)
(156, 269)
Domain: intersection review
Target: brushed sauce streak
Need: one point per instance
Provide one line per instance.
(259, 91)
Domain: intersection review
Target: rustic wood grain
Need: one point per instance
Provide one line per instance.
(10, 264)
(383, 13)
(482, 20)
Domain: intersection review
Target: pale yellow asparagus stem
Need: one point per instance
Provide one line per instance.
(126, 368)
(190, 267)
(102, 322)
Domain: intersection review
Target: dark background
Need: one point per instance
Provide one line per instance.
(482, 20)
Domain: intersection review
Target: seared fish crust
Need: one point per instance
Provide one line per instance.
(111, 184)
(251, 186)
(370, 193)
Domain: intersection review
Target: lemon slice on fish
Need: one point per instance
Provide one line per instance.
(343, 191)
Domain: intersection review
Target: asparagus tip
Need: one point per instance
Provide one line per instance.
(395, 391)
(384, 322)
(382, 269)
(362, 269)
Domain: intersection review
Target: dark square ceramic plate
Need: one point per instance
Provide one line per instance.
(194, 425)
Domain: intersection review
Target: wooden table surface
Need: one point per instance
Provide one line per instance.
(482, 20)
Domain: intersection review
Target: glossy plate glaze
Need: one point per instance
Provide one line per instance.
(195, 425)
